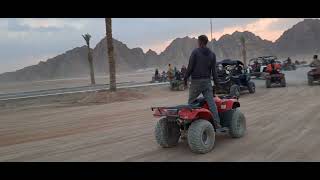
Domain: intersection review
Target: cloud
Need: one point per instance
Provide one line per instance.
(266, 28)
(260, 27)
(157, 47)
(45, 25)
(32, 38)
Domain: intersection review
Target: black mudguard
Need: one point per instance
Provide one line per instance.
(226, 117)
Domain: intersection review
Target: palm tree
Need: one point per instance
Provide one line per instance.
(87, 38)
(244, 50)
(112, 63)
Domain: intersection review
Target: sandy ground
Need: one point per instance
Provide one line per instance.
(282, 123)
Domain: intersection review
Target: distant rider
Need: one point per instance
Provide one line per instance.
(289, 61)
(170, 73)
(156, 74)
(315, 62)
(163, 75)
(178, 76)
(256, 66)
(273, 67)
(183, 71)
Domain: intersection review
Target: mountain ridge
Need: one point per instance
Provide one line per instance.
(302, 38)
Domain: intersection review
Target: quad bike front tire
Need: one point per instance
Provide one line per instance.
(283, 82)
(201, 136)
(310, 80)
(167, 133)
(171, 86)
(294, 68)
(251, 87)
(235, 90)
(268, 83)
(237, 127)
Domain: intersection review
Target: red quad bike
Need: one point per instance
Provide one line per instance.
(275, 78)
(313, 75)
(196, 121)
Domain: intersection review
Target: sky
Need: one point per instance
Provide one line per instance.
(27, 41)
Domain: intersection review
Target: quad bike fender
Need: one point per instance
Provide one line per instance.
(225, 117)
(224, 105)
(194, 114)
(313, 72)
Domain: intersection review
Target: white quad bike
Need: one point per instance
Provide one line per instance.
(261, 74)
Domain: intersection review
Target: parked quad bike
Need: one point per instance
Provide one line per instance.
(158, 79)
(233, 83)
(196, 121)
(275, 79)
(259, 70)
(313, 75)
(288, 67)
(177, 85)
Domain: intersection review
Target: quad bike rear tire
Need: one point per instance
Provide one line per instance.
(283, 82)
(201, 136)
(167, 133)
(235, 90)
(171, 86)
(251, 87)
(310, 80)
(268, 83)
(238, 124)
(181, 87)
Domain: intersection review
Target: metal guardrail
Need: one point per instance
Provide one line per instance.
(62, 91)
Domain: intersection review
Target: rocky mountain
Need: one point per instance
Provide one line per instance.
(228, 46)
(178, 52)
(126, 59)
(72, 63)
(302, 38)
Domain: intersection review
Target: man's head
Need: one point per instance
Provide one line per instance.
(202, 41)
(169, 65)
(315, 57)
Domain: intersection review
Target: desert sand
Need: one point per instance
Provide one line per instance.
(282, 125)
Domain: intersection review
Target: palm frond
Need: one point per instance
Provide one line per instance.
(87, 38)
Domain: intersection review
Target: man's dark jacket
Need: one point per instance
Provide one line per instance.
(202, 65)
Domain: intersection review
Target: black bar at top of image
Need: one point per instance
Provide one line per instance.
(160, 9)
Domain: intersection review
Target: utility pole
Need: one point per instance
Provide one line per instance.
(211, 33)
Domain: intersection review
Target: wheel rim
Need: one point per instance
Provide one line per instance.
(205, 137)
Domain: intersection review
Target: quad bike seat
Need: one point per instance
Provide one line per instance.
(199, 102)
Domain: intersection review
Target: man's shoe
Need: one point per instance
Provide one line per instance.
(217, 125)
(183, 135)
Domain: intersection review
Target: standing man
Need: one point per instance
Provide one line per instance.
(202, 65)
(183, 71)
(170, 73)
